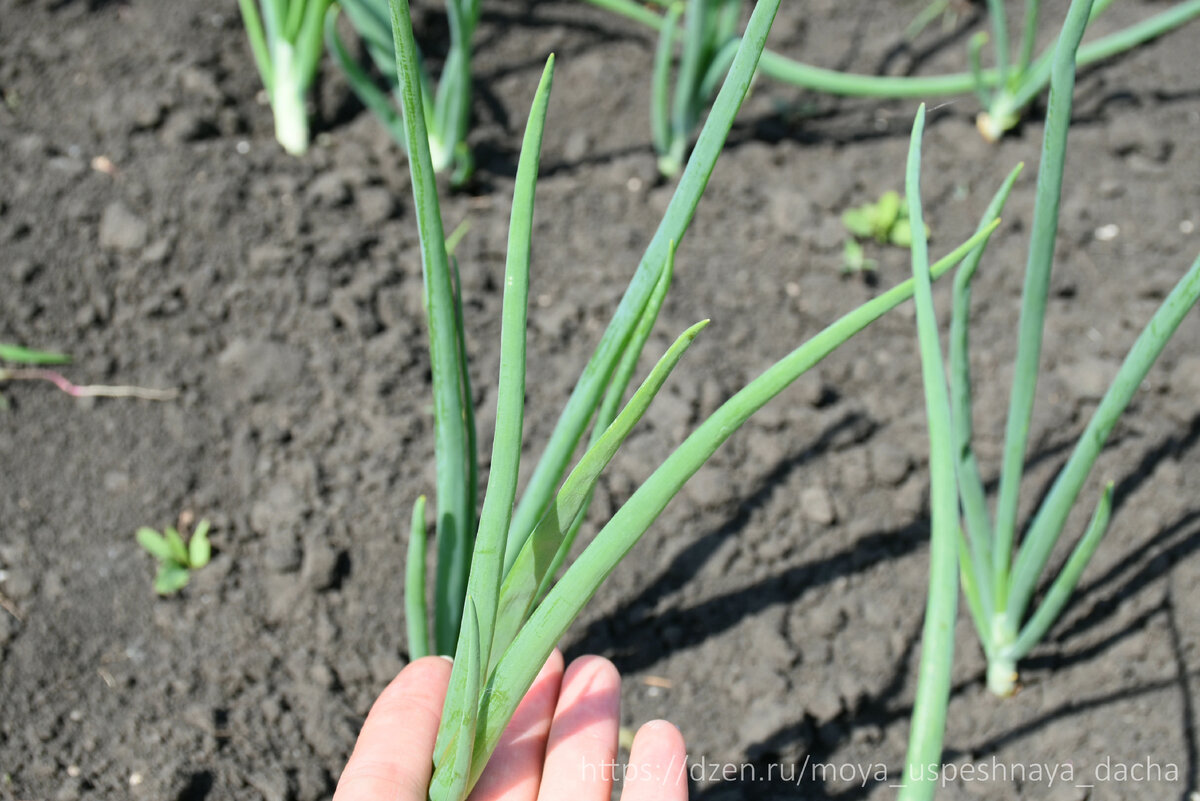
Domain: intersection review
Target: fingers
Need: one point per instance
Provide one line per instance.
(571, 758)
(582, 750)
(392, 760)
(657, 769)
(515, 769)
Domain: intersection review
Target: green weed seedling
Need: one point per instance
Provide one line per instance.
(885, 221)
(999, 575)
(854, 258)
(709, 36)
(33, 365)
(447, 107)
(497, 606)
(176, 560)
(17, 354)
(286, 41)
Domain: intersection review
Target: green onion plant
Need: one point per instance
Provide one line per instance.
(999, 575)
(1001, 578)
(497, 606)
(707, 46)
(285, 37)
(447, 108)
(1005, 90)
(1017, 81)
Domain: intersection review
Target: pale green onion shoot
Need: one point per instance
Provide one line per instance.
(447, 105)
(285, 38)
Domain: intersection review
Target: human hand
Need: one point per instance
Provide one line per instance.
(560, 744)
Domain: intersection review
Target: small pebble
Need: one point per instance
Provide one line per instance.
(104, 164)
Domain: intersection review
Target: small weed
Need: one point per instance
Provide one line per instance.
(176, 560)
(885, 221)
(34, 369)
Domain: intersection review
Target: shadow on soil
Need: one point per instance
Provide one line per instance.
(820, 743)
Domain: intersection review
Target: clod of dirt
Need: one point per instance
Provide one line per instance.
(765, 717)
(8, 627)
(322, 562)
(329, 190)
(817, 505)
(258, 370)
(18, 585)
(188, 125)
(281, 509)
(121, 229)
(1089, 378)
(375, 204)
(890, 463)
(283, 552)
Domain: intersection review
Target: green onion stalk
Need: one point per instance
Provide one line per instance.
(937, 643)
(498, 607)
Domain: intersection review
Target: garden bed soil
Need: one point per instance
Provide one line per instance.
(151, 227)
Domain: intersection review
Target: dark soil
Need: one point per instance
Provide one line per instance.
(774, 610)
